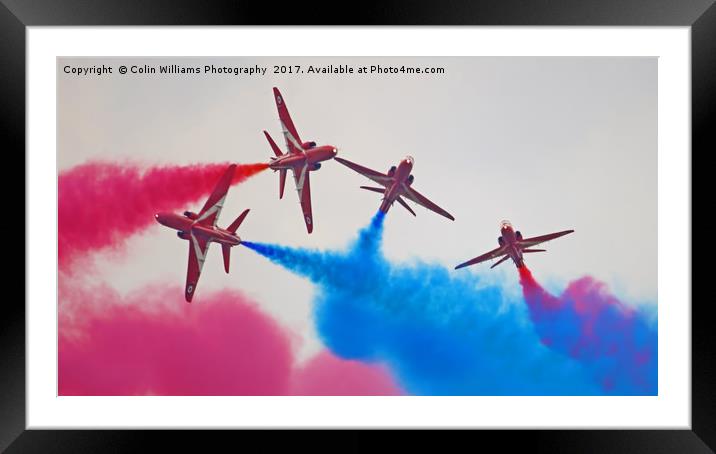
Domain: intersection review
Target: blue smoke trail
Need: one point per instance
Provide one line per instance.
(440, 333)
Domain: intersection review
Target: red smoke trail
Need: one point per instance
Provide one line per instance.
(100, 203)
(589, 324)
(154, 343)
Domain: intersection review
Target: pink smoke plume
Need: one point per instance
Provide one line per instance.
(328, 375)
(153, 343)
(101, 203)
(617, 343)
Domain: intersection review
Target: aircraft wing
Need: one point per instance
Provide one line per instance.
(374, 175)
(420, 199)
(303, 186)
(534, 241)
(198, 248)
(293, 142)
(500, 251)
(212, 208)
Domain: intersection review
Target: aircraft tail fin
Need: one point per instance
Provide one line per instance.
(226, 250)
(274, 147)
(281, 182)
(533, 250)
(405, 205)
(500, 261)
(235, 225)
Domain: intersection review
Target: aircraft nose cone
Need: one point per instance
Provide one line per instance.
(161, 218)
(335, 151)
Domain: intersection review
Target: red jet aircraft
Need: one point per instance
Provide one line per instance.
(397, 183)
(201, 230)
(301, 158)
(512, 245)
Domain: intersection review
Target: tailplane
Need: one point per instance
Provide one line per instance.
(368, 188)
(281, 182)
(500, 261)
(533, 250)
(405, 205)
(226, 250)
(235, 225)
(274, 147)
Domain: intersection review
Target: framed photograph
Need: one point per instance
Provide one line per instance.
(474, 218)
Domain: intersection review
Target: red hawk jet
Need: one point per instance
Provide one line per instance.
(201, 230)
(300, 158)
(512, 246)
(397, 183)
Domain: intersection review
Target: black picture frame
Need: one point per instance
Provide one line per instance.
(16, 15)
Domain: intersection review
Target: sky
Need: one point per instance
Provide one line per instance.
(550, 143)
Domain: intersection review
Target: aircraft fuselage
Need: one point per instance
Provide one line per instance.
(509, 237)
(401, 178)
(310, 156)
(186, 226)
